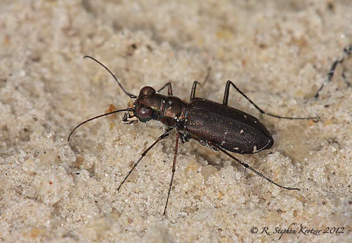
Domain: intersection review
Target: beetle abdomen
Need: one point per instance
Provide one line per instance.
(226, 127)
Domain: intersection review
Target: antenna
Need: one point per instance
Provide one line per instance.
(113, 75)
(93, 118)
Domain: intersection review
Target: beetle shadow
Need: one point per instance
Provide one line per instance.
(215, 158)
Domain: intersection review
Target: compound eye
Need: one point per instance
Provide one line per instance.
(144, 112)
(147, 91)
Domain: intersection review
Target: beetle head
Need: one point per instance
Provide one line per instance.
(147, 104)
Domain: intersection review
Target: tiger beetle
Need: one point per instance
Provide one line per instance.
(212, 124)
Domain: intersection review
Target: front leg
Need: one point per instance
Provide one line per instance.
(169, 89)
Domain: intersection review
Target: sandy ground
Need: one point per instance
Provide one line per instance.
(277, 52)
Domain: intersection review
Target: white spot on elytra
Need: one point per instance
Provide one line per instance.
(241, 131)
(254, 149)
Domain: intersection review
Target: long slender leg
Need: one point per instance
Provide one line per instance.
(193, 91)
(162, 136)
(194, 86)
(173, 172)
(207, 76)
(169, 88)
(226, 98)
(255, 171)
(346, 53)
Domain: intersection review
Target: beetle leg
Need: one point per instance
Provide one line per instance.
(347, 51)
(162, 136)
(169, 89)
(207, 76)
(194, 86)
(185, 137)
(173, 172)
(226, 98)
(254, 170)
(193, 91)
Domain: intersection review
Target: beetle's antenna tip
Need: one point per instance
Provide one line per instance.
(113, 75)
(93, 118)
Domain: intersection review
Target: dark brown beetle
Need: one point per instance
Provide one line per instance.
(212, 124)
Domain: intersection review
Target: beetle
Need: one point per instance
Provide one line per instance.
(219, 126)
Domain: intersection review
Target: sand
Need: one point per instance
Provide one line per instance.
(277, 52)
